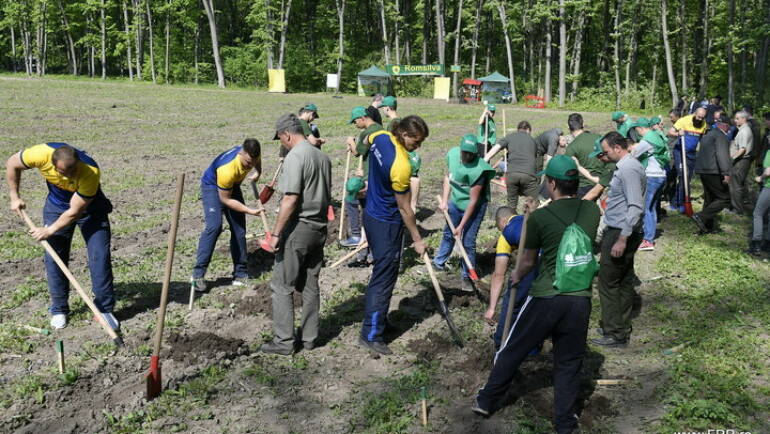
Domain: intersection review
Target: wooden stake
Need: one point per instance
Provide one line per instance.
(60, 355)
(37, 330)
(612, 381)
(424, 396)
(341, 230)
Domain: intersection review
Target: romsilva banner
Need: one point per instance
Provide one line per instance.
(415, 69)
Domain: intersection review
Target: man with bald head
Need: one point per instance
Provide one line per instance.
(688, 129)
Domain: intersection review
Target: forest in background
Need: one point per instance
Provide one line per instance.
(605, 53)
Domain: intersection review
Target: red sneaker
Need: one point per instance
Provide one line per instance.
(646, 246)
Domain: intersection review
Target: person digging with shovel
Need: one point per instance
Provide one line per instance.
(221, 195)
(298, 237)
(74, 198)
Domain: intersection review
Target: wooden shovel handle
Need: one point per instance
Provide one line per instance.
(360, 247)
(433, 279)
(459, 242)
(512, 298)
(79, 289)
(169, 264)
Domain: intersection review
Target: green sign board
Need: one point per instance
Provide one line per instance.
(455, 68)
(415, 69)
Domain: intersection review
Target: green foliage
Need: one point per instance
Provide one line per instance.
(392, 410)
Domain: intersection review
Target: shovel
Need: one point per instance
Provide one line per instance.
(512, 298)
(154, 383)
(358, 248)
(459, 243)
(269, 189)
(687, 203)
(266, 244)
(442, 304)
(341, 233)
(79, 289)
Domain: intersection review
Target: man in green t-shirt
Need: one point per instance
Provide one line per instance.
(360, 146)
(547, 312)
(581, 148)
(623, 122)
(487, 135)
(307, 114)
(761, 242)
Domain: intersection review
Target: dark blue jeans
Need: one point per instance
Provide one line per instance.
(469, 236)
(654, 189)
(95, 229)
(385, 242)
(354, 219)
(678, 201)
(213, 209)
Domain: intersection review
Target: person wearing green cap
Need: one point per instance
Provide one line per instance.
(307, 114)
(652, 152)
(465, 196)
(360, 146)
(623, 122)
(355, 188)
(487, 131)
(547, 311)
(620, 241)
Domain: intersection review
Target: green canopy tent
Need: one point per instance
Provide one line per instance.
(495, 87)
(374, 80)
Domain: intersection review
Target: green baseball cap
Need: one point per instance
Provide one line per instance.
(491, 107)
(311, 107)
(357, 112)
(655, 120)
(617, 115)
(642, 122)
(468, 144)
(354, 185)
(597, 149)
(561, 167)
(389, 101)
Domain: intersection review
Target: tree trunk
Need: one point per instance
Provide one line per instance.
(13, 47)
(152, 49)
(490, 30)
(654, 83)
(284, 29)
(630, 56)
(129, 61)
(196, 48)
(458, 29)
(270, 33)
(139, 39)
(440, 35)
(425, 30)
(704, 64)
(504, 23)
(103, 25)
(562, 53)
(385, 43)
(683, 35)
(167, 41)
(68, 38)
(27, 46)
(616, 54)
(730, 60)
(548, 55)
(341, 17)
(577, 54)
(44, 58)
(475, 42)
(760, 79)
(209, 6)
(396, 30)
(667, 49)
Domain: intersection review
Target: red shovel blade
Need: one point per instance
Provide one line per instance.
(472, 273)
(330, 213)
(266, 194)
(265, 244)
(688, 209)
(154, 383)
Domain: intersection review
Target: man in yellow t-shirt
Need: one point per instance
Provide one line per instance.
(221, 195)
(689, 129)
(74, 198)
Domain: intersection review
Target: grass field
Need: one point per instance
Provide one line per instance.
(700, 295)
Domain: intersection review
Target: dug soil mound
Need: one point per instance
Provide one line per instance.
(203, 345)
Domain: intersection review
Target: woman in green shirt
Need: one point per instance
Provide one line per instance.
(465, 197)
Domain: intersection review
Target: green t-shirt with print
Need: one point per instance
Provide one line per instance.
(766, 164)
(463, 176)
(415, 161)
(544, 232)
(491, 132)
(353, 186)
(625, 127)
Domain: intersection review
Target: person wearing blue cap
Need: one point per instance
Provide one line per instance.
(561, 313)
(465, 197)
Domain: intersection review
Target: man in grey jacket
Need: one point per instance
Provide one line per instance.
(741, 152)
(621, 239)
(713, 165)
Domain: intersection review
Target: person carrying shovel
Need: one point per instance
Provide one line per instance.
(487, 130)
(298, 237)
(74, 198)
(221, 195)
(465, 196)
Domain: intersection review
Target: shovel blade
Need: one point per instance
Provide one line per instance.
(330, 214)
(472, 274)
(154, 382)
(688, 209)
(266, 194)
(452, 327)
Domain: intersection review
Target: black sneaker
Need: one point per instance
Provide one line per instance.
(274, 348)
(480, 409)
(377, 347)
(609, 341)
(307, 346)
(699, 223)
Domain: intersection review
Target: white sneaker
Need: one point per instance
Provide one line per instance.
(240, 281)
(111, 320)
(58, 321)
